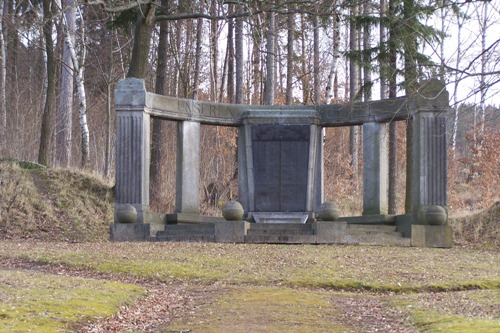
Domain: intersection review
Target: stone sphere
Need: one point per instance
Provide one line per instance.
(232, 211)
(434, 215)
(126, 214)
(328, 211)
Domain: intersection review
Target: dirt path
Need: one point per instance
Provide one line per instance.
(180, 307)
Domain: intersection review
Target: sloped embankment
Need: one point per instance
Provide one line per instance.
(53, 204)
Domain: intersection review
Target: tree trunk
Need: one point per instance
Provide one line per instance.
(230, 58)
(411, 82)
(353, 93)
(158, 165)
(64, 123)
(3, 74)
(289, 56)
(46, 126)
(142, 40)
(330, 88)
(238, 41)
(317, 94)
(270, 65)
(367, 72)
(199, 31)
(391, 73)
(214, 50)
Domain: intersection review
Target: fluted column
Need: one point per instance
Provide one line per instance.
(132, 147)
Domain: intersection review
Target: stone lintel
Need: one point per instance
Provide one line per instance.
(132, 95)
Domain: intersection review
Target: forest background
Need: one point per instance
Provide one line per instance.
(60, 61)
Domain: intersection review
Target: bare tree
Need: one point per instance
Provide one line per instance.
(46, 126)
(270, 62)
(64, 122)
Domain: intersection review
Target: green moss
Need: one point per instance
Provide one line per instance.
(47, 303)
(462, 311)
(263, 309)
(431, 321)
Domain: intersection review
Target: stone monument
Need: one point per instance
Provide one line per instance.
(280, 162)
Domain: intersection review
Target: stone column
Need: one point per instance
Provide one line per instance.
(246, 189)
(429, 161)
(188, 168)
(132, 148)
(429, 148)
(375, 168)
(315, 170)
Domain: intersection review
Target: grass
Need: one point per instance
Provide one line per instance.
(262, 281)
(335, 267)
(39, 302)
(264, 309)
(470, 311)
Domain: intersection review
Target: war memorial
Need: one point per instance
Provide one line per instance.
(280, 171)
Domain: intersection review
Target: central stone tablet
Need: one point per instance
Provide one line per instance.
(280, 162)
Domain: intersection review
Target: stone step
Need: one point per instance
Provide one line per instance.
(280, 239)
(371, 228)
(279, 232)
(187, 229)
(376, 238)
(280, 229)
(183, 238)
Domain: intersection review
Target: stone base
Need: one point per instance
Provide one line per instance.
(134, 232)
(431, 236)
(329, 232)
(191, 218)
(231, 231)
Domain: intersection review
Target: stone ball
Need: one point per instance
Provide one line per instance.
(434, 215)
(328, 211)
(232, 211)
(126, 214)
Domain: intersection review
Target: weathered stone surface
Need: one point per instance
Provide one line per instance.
(432, 215)
(431, 236)
(231, 231)
(129, 232)
(232, 211)
(125, 213)
(280, 161)
(375, 168)
(328, 211)
(188, 168)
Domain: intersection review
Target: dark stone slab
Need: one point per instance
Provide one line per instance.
(280, 159)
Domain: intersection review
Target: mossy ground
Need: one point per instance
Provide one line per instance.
(262, 309)
(39, 302)
(275, 288)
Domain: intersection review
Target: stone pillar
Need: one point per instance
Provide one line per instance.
(375, 168)
(132, 148)
(315, 170)
(246, 190)
(188, 168)
(429, 161)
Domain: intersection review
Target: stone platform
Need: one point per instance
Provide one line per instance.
(382, 230)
